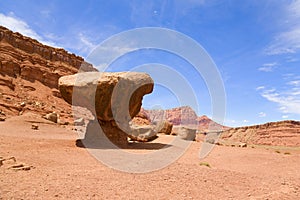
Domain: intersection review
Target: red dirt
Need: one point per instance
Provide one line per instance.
(63, 171)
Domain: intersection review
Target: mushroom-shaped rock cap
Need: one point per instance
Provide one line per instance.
(112, 96)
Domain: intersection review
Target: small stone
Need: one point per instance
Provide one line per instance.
(62, 122)
(23, 104)
(52, 117)
(186, 133)
(243, 145)
(2, 118)
(210, 141)
(34, 126)
(56, 93)
(79, 122)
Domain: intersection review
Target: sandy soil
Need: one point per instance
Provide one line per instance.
(61, 170)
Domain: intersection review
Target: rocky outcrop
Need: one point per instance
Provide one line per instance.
(24, 57)
(283, 133)
(206, 124)
(114, 98)
(184, 115)
(29, 73)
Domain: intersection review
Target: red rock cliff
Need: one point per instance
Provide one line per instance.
(29, 73)
(282, 133)
(24, 57)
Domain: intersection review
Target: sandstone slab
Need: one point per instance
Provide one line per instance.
(108, 95)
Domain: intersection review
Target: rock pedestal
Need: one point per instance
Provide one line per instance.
(114, 98)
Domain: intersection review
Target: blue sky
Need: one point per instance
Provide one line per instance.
(255, 45)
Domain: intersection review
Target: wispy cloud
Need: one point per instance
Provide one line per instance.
(288, 101)
(288, 41)
(260, 88)
(83, 45)
(268, 67)
(294, 83)
(15, 24)
(262, 114)
(291, 59)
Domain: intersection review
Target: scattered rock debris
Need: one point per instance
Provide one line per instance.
(15, 166)
(6, 159)
(52, 117)
(20, 167)
(34, 127)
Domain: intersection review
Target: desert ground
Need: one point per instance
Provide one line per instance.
(55, 168)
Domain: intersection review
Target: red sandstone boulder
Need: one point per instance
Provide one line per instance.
(114, 98)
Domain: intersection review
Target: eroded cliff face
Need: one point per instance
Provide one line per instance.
(24, 57)
(185, 116)
(29, 73)
(283, 133)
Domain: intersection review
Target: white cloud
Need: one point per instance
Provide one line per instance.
(290, 60)
(230, 121)
(288, 101)
(17, 25)
(288, 41)
(262, 114)
(85, 45)
(270, 64)
(260, 88)
(268, 67)
(294, 83)
(245, 121)
(265, 69)
(284, 116)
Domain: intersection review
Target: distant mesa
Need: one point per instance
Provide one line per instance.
(182, 116)
(282, 133)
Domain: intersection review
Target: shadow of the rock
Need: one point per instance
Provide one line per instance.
(148, 146)
(96, 139)
(83, 143)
